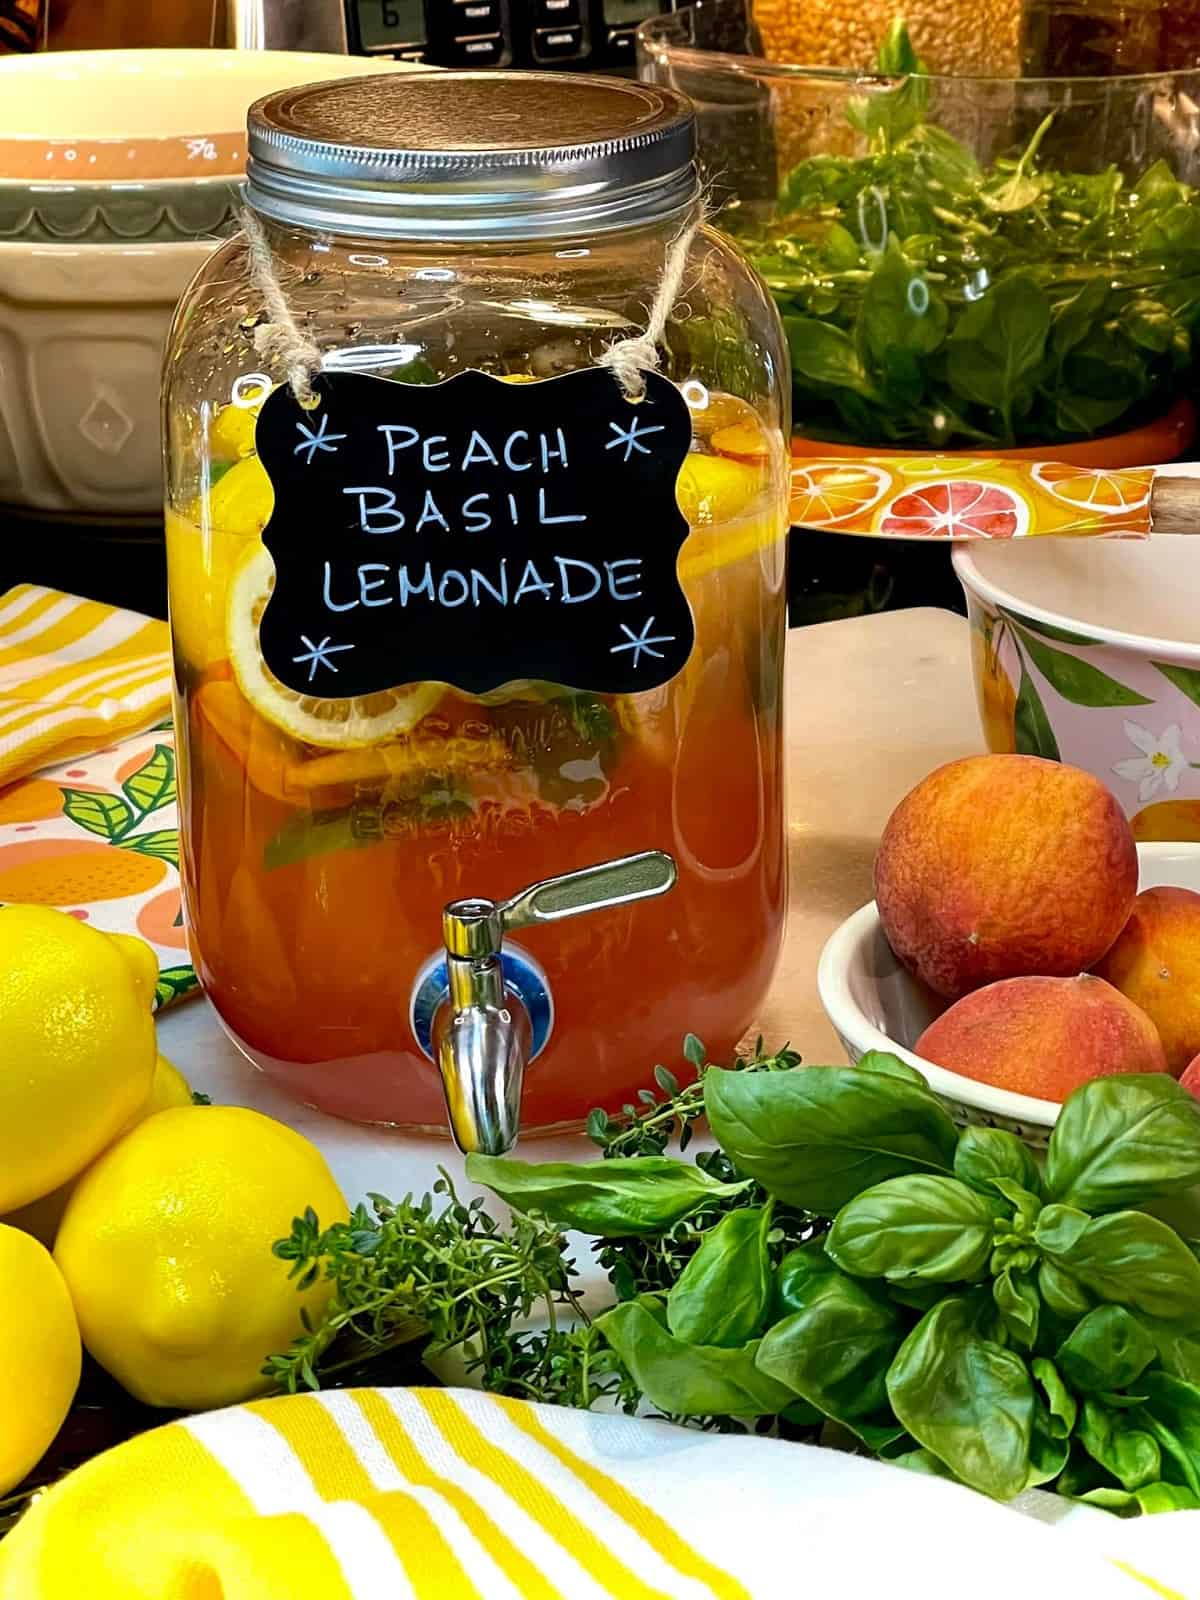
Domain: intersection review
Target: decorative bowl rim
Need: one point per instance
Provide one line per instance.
(994, 594)
(850, 1023)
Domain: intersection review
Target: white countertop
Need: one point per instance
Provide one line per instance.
(874, 703)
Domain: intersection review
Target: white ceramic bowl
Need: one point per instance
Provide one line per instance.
(873, 1003)
(91, 266)
(1088, 651)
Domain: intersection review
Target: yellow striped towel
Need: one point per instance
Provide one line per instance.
(75, 675)
(452, 1495)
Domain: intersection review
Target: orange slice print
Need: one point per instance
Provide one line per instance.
(1108, 493)
(73, 872)
(959, 508)
(833, 492)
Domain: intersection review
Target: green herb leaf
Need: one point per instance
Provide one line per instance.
(629, 1195)
(689, 1380)
(721, 1296)
(917, 1226)
(153, 784)
(1129, 1454)
(1019, 1306)
(1078, 681)
(1123, 1140)
(817, 1136)
(105, 814)
(890, 1066)
(1107, 1349)
(824, 355)
(1126, 1258)
(967, 1399)
(1061, 1293)
(1061, 1407)
(985, 1154)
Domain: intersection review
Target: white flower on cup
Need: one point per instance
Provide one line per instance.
(1161, 764)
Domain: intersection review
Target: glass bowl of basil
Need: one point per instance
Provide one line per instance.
(961, 263)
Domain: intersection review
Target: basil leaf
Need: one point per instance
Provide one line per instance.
(1172, 1414)
(1019, 1307)
(925, 1462)
(627, 1196)
(1131, 1455)
(1060, 1402)
(689, 1380)
(835, 1353)
(1156, 1497)
(1107, 1349)
(917, 1226)
(1123, 1140)
(967, 1399)
(1049, 1448)
(1178, 1353)
(1060, 1293)
(721, 1296)
(793, 1273)
(985, 1154)
(825, 355)
(890, 1066)
(1127, 1258)
(817, 1136)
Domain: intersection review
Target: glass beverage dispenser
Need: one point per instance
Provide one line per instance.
(466, 596)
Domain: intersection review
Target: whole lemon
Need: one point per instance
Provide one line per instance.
(166, 1249)
(41, 1217)
(39, 1354)
(77, 1045)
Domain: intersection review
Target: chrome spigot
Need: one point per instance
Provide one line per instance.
(481, 1033)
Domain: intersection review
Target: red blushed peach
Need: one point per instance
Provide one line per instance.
(1191, 1078)
(1156, 964)
(1001, 866)
(1043, 1036)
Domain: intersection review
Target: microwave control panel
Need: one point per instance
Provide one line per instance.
(572, 35)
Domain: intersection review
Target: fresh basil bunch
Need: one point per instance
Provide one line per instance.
(967, 1313)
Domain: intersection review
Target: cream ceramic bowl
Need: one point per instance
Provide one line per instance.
(874, 1003)
(1088, 651)
(118, 172)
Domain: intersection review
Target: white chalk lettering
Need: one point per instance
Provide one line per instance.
(563, 562)
(549, 455)
(478, 582)
(367, 586)
(431, 513)
(513, 515)
(615, 578)
(546, 519)
(330, 602)
(394, 433)
(477, 521)
(479, 452)
(382, 517)
(410, 589)
(515, 466)
(532, 582)
(452, 575)
(433, 459)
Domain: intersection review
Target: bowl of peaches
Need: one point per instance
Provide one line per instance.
(1020, 943)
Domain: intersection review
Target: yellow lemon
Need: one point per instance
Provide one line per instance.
(39, 1354)
(166, 1249)
(241, 500)
(77, 1045)
(168, 1089)
(334, 724)
(713, 489)
(199, 567)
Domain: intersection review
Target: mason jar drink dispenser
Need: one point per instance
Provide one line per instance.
(476, 506)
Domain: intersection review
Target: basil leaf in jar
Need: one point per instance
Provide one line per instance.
(816, 1136)
(627, 1196)
(1107, 1349)
(721, 1296)
(689, 1380)
(985, 1154)
(917, 1226)
(966, 1398)
(1123, 1140)
(1126, 1258)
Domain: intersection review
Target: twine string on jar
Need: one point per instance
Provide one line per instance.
(284, 342)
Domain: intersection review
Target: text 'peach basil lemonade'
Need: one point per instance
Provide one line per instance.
(323, 835)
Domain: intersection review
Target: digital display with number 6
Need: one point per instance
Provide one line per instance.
(390, 22)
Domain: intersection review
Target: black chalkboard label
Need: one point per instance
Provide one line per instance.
(473, 532)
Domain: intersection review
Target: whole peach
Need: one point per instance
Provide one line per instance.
(1001, 866)
(1156, 964)
(1043, 1036)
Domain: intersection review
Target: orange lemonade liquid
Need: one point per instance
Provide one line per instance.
(316, 871)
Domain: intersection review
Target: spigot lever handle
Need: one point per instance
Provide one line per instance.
(609, 883)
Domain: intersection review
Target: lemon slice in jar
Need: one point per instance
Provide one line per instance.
(333, 724)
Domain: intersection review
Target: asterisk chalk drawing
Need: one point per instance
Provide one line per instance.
(318, 439)
(642, 643)
(317, 655)
(631, 437)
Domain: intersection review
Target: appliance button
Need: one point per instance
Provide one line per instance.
(417, 56)
(477, 16)
(555, 44)
(622, 44)
(556, 13)
(484, 51)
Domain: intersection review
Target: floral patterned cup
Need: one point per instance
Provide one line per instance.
(1089, 652)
